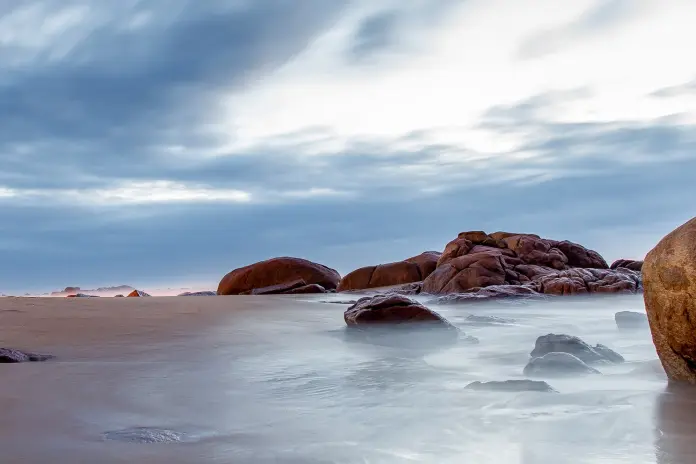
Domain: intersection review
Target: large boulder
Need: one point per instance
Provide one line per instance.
(669, 278)
(413, 269)
(631, 264)
(476, 259)
(277, 271)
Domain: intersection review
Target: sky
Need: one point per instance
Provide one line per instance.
(167, 142)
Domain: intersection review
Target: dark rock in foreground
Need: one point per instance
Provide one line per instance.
(392, 309)
(145, 435)
(561, 343)
(203, 293)
(512, 386)
(82, 295)
(281, 271)
(557, 364)
(630, 320)
(9, 355)
(137, 293)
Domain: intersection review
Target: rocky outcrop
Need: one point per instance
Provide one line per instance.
(390, 309)
(669, 277)
(137, 293)
(9, 355)
(630, 320)
(557, 364)
(283, 271)
(561, 343)
(476, 260)
(413, 269)
(494, 292)
(512, 386)
(82, 295)
(631, 264)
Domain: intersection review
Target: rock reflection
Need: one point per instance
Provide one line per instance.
(675, 430)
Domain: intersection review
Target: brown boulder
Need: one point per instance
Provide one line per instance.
(277, 271)
(413, 269)
(631, 264)
(579, 256)
(392, 308)
(137, 293)
(669, 278)
(533, 250)
(579, 281)
(466, 272)
(307, 289)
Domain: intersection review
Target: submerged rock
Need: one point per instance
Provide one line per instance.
(391, 309)
(493, 292)
(561, 343)
(630, 320)
(145, 435)
(277, 271)
(82, 295)
(9, 355)
(512, 386)
(487, 320)
(557, 364)
(669, 273)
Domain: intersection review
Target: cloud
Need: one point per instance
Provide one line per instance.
(680, 90)
(166, 141)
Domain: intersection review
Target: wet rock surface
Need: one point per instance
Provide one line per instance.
(512, 386)
(11, 356)
(390, 309)
(557, 364)
(561, 343)
(477, 320)
(494, 292)
(145, 435)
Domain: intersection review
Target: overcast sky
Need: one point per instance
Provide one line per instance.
(166, 142)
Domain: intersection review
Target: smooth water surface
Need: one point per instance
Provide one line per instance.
(279, 386)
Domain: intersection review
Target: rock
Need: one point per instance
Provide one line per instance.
(391, 309)
(487, 320)
(413, 269)
(71, 290)
(512, 386)
(553, 343)
(277, 271)
(557, 364)
(631, 264)
(399, 323)
(81, 295)
(137, 293)
(119, 296)
(145, 435)
(278, 288)
(630, 320)
(493, 292)
(311, 288)
(475, 259)
(9, 355)
(203, 293)
(669, 278)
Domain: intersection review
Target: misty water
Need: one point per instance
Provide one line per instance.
(278, 386)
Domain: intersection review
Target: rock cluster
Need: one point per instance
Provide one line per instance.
(413, 269)
(9, 355)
